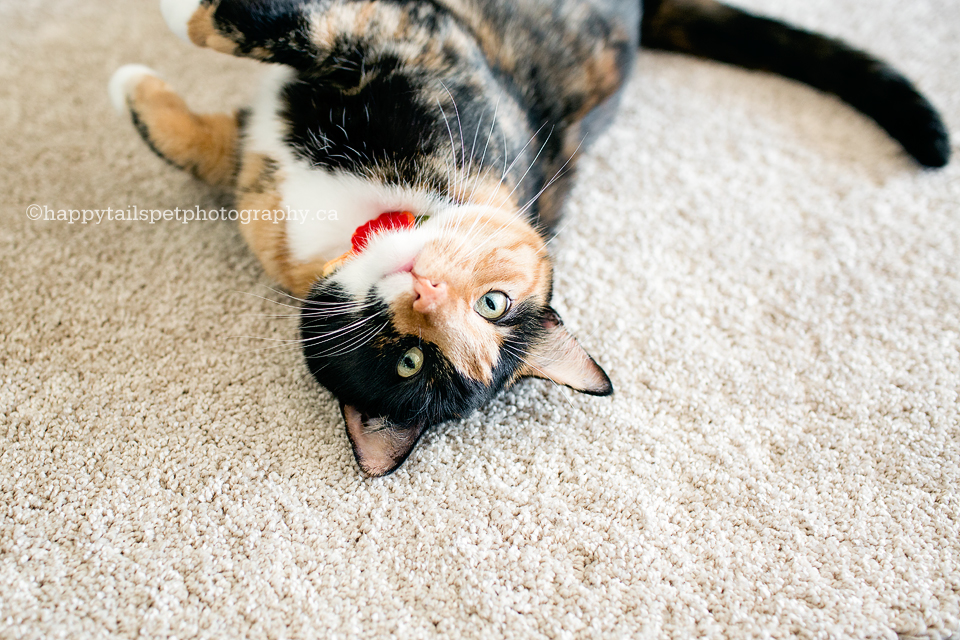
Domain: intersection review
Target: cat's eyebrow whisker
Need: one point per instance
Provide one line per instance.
(463, 146)
(522, 210)
(556, 176)
(453, 149)
(469, 171)
(493, 123)
(535, 158)
(423, 410)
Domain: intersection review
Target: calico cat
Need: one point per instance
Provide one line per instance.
(431, 144)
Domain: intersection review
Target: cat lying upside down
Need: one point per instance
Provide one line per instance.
(442, 133)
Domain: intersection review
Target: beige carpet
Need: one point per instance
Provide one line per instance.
(772, 286)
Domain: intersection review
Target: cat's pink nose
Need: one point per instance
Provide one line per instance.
(427, 294)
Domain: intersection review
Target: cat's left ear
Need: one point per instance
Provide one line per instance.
(379, 446)
(559, 357)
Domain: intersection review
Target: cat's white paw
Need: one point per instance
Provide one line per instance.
(123, 81)
(177, 13)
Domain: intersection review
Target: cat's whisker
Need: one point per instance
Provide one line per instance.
(534, 199)
(507, 169)
(324, 336)
(556, 176)
(291, 344)
(282, 293)
(329, 314)
(494, 235)
(469, 234)
(467, 171)
(320, 309)
(353, 346)
(324, 306)
(347, 327)
(265, 299)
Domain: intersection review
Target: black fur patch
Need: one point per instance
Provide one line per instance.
(382, 123)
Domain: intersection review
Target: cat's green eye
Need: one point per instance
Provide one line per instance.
(411, 363)
(493, 305)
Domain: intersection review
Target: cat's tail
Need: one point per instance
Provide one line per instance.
(205, 145)
(712, 30)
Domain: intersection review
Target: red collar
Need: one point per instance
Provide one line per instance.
(388, 221)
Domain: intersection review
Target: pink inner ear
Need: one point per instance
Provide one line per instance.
(378, 446)
(561, 358)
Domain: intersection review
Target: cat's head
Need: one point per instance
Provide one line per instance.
(427, 324)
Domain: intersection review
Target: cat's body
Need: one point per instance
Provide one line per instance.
(465, 116)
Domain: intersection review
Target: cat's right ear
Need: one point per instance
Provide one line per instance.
(560, 358)
(379, 446)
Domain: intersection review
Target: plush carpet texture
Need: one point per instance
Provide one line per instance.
(772, 285)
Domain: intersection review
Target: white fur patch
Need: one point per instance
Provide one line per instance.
(122, 83)
(177, 13)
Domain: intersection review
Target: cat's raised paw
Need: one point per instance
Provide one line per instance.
(124, 81)
(178, 14)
